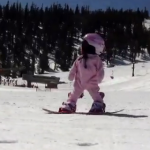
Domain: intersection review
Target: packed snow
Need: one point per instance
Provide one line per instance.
(25, 126)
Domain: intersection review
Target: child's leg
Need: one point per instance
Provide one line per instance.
(79, 97)
(70, 105)
(95, 94)
(102, 94)
(73, 97)
(98, 105)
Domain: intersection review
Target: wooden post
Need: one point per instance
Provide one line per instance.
(133, 68)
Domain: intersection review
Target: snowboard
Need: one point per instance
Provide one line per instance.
(79, 113)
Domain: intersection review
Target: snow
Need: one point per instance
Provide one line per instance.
(24, 126)
(147, 23)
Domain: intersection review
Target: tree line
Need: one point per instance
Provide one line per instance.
(34, 34)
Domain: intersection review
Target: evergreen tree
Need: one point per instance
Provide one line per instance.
(30, 34)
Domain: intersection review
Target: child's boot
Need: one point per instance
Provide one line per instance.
(97, 107)
(68, 107)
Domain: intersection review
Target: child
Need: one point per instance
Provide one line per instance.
(88, 72)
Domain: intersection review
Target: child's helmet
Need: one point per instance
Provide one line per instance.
(96, 41)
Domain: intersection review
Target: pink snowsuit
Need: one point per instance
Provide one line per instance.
(86, 78)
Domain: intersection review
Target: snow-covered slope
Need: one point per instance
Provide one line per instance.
(24, 126)
(96, 4)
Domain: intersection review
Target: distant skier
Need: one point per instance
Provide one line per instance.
(88, 72)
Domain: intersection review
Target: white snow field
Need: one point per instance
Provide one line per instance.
(25, 126)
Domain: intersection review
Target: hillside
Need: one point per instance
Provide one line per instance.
(23, 124)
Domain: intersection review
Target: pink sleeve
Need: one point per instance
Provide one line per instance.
(100, 70)
(72, 72)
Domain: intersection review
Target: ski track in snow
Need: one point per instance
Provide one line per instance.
(24, 126)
